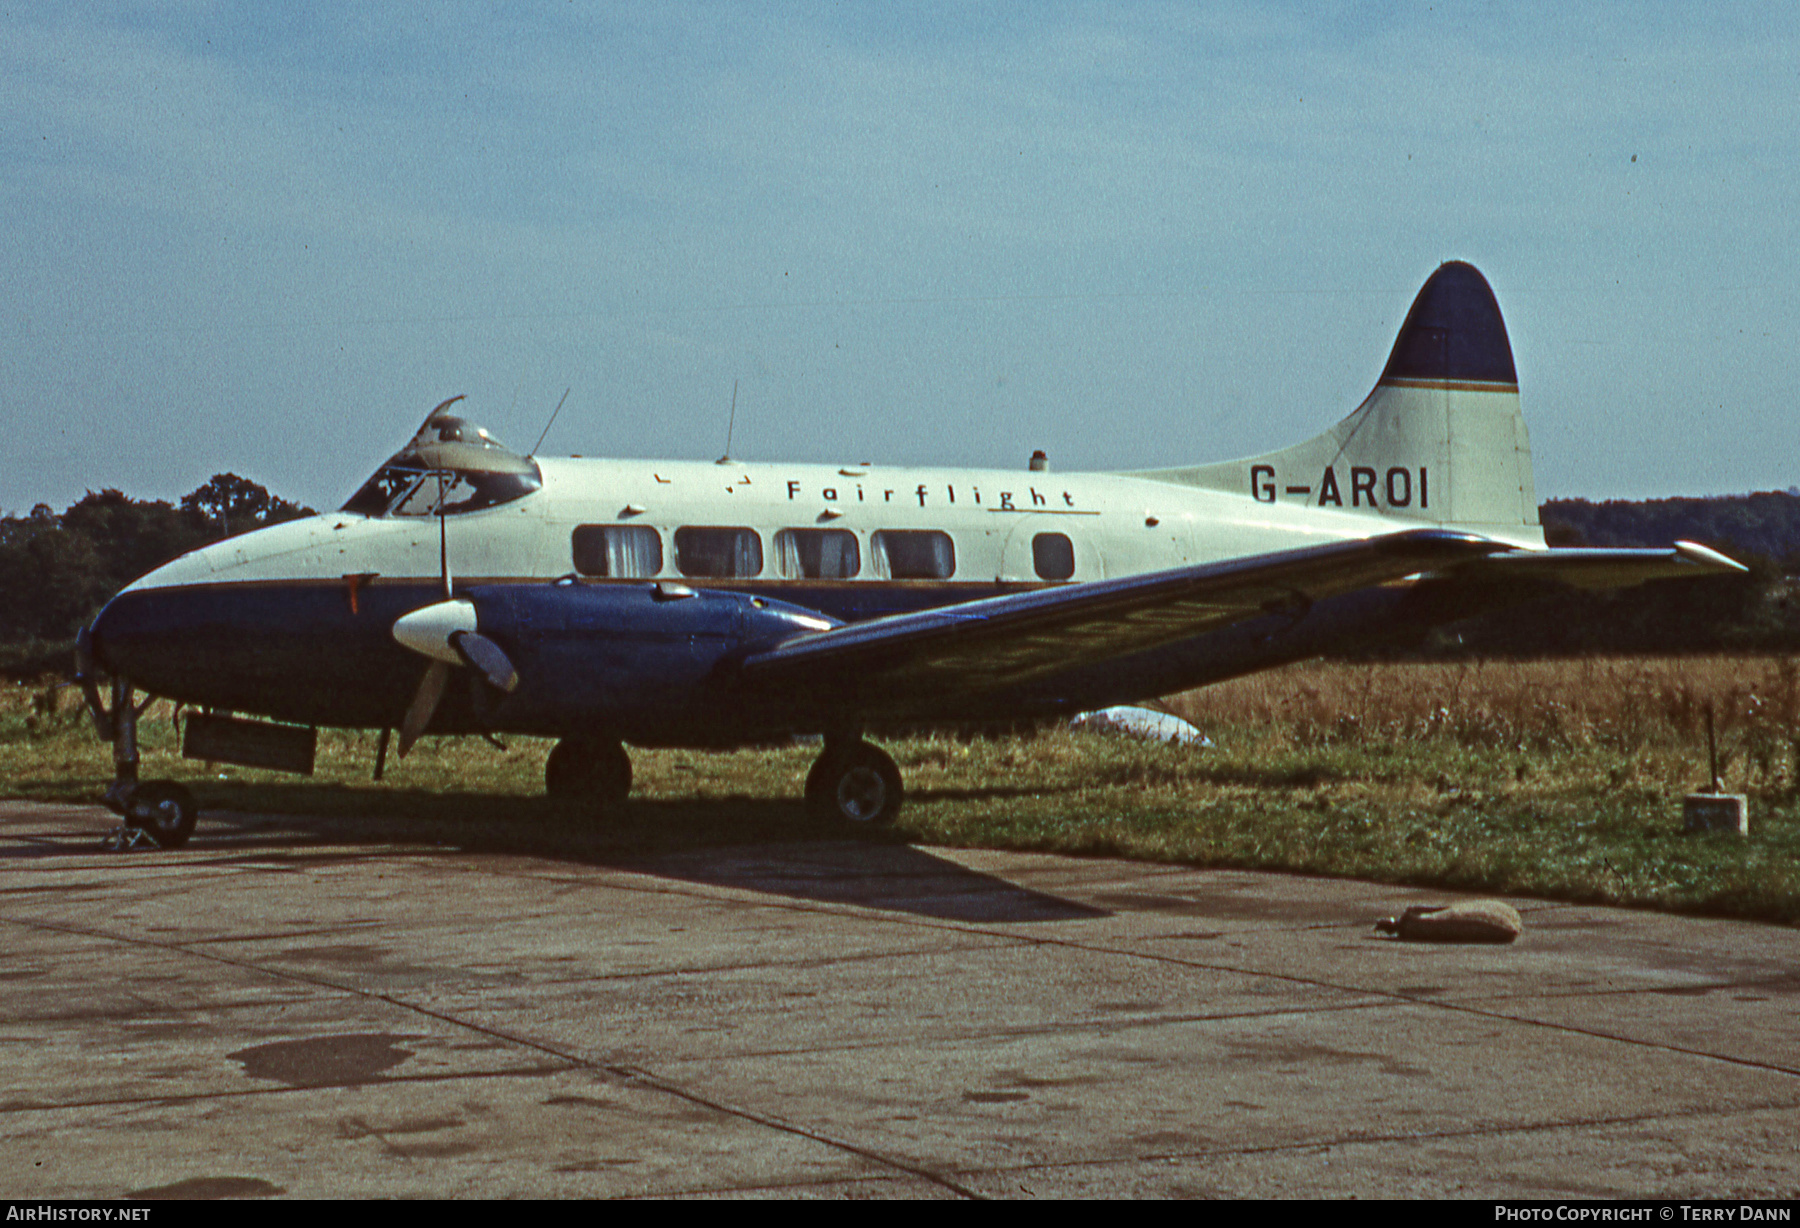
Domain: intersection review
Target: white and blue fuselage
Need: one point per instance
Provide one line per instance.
(294, 621)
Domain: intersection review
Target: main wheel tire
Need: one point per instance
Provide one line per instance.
(164, 810)
(589, 773)
(856, 787)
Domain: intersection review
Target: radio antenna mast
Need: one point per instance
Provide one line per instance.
(552, 422)
(730, 426)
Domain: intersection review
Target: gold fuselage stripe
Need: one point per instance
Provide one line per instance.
(1453, 385)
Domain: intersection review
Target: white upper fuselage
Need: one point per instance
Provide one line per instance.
(1116, 525)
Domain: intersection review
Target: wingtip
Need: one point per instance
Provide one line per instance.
(1708, 558)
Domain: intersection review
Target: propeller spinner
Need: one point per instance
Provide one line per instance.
(445, 632)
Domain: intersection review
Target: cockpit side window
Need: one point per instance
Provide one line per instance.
(380, 491)
(424, 497)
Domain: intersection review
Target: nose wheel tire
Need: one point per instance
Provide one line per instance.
(855, 787)
(593, 773)
(164, 810)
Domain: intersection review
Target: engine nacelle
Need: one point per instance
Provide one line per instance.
(601, 655)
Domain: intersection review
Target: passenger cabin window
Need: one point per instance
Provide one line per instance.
(617, 550)
(817, 554)
(913, 554)
(1053, 555)
(718, 553)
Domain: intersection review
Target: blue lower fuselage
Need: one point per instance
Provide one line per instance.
(615, 657)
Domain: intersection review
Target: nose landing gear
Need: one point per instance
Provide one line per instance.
(162, 810)
(158, 812)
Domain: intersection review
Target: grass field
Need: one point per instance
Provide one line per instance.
(1553, 779)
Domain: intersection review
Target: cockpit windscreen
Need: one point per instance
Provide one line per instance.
(450, 467)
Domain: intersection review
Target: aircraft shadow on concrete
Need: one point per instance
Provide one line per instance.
(746, 843)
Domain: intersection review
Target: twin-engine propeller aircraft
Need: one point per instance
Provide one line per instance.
(468, 589)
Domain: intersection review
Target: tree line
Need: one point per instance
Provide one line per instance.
(1761, 528)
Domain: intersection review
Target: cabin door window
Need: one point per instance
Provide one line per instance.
(913, 554)
(1053, 556)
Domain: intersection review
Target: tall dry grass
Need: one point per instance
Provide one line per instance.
(1629, 705)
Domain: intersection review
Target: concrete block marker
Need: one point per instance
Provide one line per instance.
(1727, 812)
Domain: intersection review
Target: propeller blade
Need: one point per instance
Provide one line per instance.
(424, 705)
(486, 658)
(445, 632)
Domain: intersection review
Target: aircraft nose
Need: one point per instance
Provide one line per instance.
(181, 630)
(302, 649)
(143, 634)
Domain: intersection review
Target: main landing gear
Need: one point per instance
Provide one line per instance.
(854, 785)
(591, 772)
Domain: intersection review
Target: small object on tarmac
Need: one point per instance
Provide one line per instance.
(125, 837)
(1472, 921)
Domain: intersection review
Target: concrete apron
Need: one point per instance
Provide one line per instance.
(318, 1008)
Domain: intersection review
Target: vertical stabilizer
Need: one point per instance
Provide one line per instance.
(1440, 440)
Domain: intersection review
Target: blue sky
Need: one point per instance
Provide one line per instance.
(267, 238)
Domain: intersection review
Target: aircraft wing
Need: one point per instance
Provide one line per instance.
(1000, 641)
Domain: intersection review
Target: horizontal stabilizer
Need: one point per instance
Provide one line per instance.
(1600, 569)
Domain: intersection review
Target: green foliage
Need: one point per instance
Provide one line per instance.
(1708, 614)
(238, 505)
